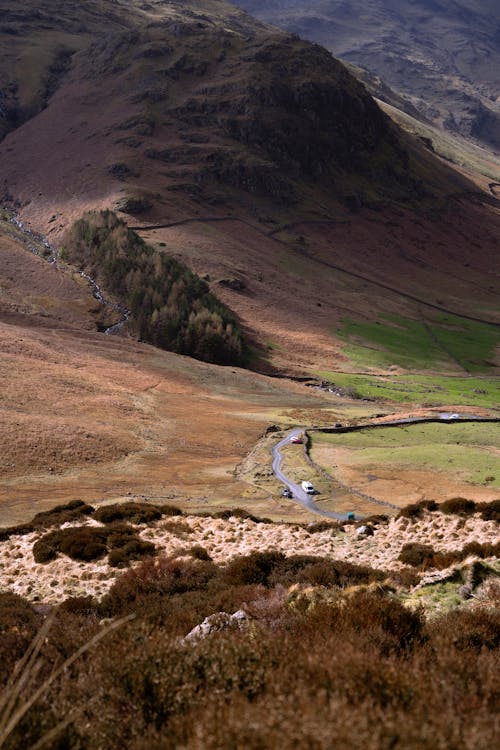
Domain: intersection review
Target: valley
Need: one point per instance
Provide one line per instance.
(249, 376)
(373, 273)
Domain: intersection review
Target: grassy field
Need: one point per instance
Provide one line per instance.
(444, 341)
(426, 390)
(468, 451)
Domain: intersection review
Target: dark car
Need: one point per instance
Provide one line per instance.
(287, 493)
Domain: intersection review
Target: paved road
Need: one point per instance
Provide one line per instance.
(298, 493)
(307, 500)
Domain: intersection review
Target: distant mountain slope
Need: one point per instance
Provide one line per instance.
(174, 102)
(442, 55)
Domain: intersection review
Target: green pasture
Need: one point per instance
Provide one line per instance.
(441, 341)
(468, 450)
(425, 390)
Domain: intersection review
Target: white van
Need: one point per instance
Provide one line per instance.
(307, 487)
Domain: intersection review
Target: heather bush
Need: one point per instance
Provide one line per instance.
(239, 513)
(254, 568)
(161, 577)
(18, 625)
(88, 543)
(133, 512)
(423, 556)
(459, 506)
(415, 553)
(489, 511)
(171, 510)
(356, 669)
(199, 553)
(72, 511)
(274, 568)
(135, 549)
(68, 512)
(415, 510)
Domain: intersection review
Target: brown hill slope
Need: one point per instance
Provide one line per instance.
(95, 416)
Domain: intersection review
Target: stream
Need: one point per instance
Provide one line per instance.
(51, 257)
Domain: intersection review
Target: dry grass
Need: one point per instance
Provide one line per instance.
(226, 539)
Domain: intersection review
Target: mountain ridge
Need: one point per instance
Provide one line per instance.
(441, 57)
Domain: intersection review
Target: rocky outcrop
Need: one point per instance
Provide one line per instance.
(215, 623)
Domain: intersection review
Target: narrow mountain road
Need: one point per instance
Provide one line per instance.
(298, 493)
(306, 500)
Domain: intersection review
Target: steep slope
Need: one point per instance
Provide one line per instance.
(257, 159)
(442, 57)
(184, 102)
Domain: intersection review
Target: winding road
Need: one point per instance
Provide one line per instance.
(306, 500)
(298, 493)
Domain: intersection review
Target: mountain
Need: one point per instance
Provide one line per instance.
(184, 101)
(441, 56)
(252, 156)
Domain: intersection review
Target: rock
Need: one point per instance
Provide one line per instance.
(215, 623)
(237, 285)
(364, 531)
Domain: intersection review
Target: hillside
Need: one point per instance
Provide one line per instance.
(260, 159)
(441, 57)
(347, 251)
(227, 276)
(179, 107)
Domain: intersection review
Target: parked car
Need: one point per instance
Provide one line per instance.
(297, 439)
(287, 493)
(308, 488)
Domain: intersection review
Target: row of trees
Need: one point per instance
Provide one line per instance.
(171, 306)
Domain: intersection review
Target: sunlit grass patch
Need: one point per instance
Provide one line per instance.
(431, 390)
(465, 450)
(441, 341)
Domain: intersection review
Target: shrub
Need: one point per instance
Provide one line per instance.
(88, 543)
(18, 625)
(459, 506)
(423, 556)
(415, 554)
(254, 568)
(54, 517)
(415, 510)
(468, 630)
(240, 513)
(404, 577)
(79, 605)
(171, 510)
(199, 553)
(62, 514)
(273, 568)
(156, 578)
(135, 549)
(133, 512)
(490, 511)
